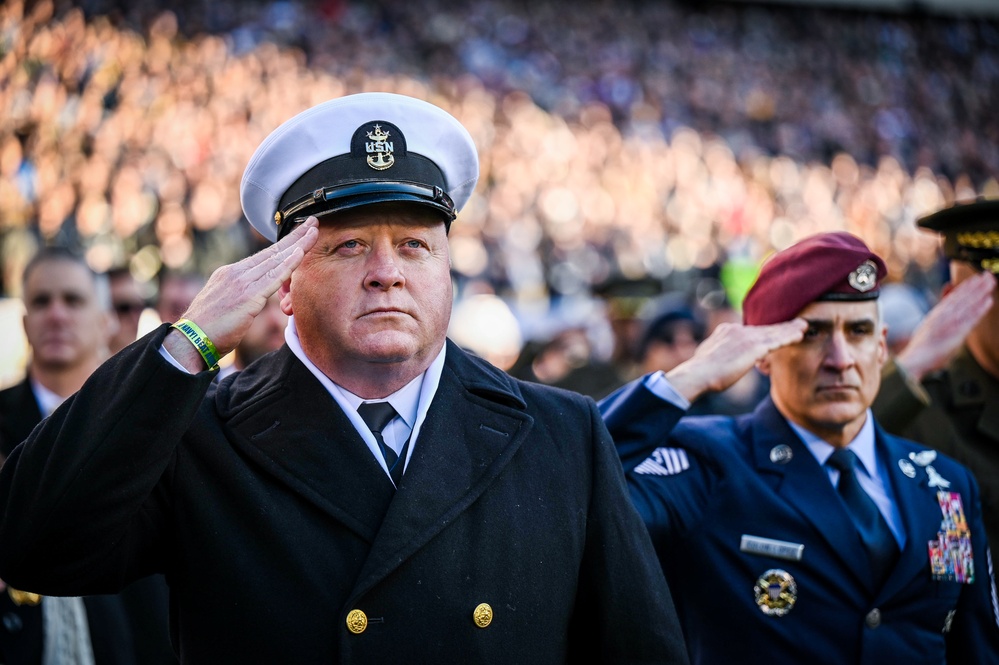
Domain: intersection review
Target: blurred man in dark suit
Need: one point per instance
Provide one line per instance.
(67, 322)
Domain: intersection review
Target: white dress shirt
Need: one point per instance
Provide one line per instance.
(47, 400)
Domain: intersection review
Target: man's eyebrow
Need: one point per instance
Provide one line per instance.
(66, 293)
(827, 323)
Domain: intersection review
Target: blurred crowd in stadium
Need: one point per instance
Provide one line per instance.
(668, 142)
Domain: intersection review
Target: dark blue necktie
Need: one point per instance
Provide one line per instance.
(874, 531)
(376, 415)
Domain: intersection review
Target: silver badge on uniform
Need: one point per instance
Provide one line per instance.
(776, 592)
(923, 457)
(936, 480)
(864, 277)
(907, 468)
(379, 149)
(781, 454)
(780, 549)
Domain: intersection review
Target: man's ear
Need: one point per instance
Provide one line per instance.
(284, 293)
(883, 346)
(763, 365)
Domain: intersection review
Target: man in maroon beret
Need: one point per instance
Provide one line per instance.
(803, 532)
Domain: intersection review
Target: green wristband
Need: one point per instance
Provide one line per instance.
(200, 341)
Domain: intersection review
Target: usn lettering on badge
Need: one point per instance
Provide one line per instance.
(951, 558)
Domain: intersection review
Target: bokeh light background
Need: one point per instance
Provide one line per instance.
(673, 141)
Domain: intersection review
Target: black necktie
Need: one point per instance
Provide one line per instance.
(376, 415)
(874, 531)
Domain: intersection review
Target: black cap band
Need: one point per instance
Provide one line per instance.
(330, 200)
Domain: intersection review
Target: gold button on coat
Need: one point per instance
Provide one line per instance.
(357, 621)
(483, 615)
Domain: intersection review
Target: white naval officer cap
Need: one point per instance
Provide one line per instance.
(373, 147)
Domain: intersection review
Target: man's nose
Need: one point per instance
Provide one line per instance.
(57, 310)
(839, 353)
(383, 267)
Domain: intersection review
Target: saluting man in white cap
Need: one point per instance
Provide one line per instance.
(369, 493)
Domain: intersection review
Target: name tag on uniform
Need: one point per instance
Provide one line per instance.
(779, 549)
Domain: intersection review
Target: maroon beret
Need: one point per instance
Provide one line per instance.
(827, 266)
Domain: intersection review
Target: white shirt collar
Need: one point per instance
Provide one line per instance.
(405, 401)
(411, 402)
(47, 400)
(862, 445)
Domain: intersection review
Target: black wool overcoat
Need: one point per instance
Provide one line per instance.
(274, 523)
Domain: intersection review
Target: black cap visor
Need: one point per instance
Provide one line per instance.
(327, 201)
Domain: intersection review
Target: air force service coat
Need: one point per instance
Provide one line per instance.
(745, 519)
(273, 521)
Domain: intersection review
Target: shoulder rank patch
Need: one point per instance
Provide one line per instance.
(664, 462)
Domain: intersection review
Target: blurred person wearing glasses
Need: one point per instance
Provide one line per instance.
(127, 304)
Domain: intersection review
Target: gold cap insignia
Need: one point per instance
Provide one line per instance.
(357, 621)
(864, 277)
(776, 592)
(907, 468)
(979, 239)
(379, 149)
(483, 615)
(23, 597)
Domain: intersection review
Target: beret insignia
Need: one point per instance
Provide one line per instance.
(864, 277)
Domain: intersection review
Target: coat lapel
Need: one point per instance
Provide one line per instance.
(19, 413)
(920, 511)
(473, 429)
(287, 422)
(805, 486)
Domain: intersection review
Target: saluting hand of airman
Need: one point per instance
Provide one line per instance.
(728, 353)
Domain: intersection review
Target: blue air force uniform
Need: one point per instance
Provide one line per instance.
(765, 561)
(728, 499)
